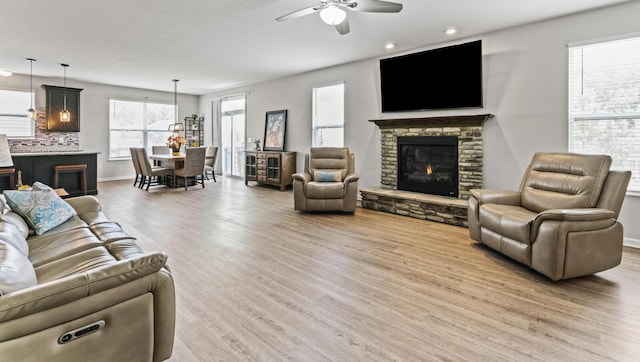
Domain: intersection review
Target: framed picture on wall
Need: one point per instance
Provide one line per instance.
(274, 130)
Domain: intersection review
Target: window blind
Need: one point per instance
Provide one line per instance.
(328, 116)
(604, 102)
(14, 120)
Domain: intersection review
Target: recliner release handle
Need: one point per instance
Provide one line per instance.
(80, 332)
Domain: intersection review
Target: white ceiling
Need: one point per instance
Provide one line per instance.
(212, 45)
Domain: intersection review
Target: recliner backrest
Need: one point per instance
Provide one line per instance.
(614, 191)
(329, 159)
(564, 181)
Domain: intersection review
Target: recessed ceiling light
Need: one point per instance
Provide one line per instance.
(451, 31)
(5, 73)
(389, 46)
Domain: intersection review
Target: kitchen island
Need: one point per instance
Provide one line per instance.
(38, 166)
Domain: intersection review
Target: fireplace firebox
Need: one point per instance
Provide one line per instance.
(428, 164)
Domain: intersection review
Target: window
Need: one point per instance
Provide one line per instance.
(328, 116)
(604, 102)
(14, 119)
(137, 124)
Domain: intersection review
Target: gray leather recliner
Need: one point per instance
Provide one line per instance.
(562, 222)
(328, 183)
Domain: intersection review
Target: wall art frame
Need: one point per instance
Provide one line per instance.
(275, 127)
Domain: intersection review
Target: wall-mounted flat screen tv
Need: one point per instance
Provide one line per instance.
(443, 78)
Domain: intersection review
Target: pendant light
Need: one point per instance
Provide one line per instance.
(175, 99)
(176, 127)
(31, 111)
(65, 115)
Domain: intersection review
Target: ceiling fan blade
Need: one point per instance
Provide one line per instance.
(374, 6)
(300, 13)
(343, 27)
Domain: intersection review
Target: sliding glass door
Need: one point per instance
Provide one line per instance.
(232, 124)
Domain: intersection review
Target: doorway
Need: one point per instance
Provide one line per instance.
(232, 132)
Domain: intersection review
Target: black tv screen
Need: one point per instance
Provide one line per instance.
(443, 78)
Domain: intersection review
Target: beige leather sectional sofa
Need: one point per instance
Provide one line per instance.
(96, 296)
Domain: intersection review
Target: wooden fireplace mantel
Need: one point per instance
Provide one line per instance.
(441, 121)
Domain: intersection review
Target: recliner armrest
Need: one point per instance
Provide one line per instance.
(586, 214)
(571, 215)
(352, 177)
(501, 197)
(302, 176)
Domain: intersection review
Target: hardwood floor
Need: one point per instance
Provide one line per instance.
(256, 280)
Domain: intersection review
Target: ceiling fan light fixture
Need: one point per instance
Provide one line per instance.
(332, 15)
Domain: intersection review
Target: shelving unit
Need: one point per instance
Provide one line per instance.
(194, 131)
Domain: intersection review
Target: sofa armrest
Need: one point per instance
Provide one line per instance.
(135, 302)
(501, 197)
(77, 286)
(84, 204)
(302, 176)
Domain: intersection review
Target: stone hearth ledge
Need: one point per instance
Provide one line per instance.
(448, 210)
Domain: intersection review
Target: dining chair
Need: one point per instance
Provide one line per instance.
(193, 166)
(210, 162)
(160, 150)
(136, 165)
(151, 174)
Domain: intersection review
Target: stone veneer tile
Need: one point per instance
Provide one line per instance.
(45, 141)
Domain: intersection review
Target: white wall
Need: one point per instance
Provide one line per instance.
(525, 85)
(94, 114)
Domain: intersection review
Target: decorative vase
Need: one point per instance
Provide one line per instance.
(175, 151)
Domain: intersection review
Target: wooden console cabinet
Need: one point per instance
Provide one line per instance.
(270, 168)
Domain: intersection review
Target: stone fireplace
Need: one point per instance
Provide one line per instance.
(443, 193)
(428, 164)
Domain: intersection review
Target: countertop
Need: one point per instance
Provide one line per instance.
(54, 153)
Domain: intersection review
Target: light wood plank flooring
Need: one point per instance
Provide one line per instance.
(258, 281)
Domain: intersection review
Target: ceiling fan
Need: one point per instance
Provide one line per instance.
(332, 13)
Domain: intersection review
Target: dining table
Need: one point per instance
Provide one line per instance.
(172, 160)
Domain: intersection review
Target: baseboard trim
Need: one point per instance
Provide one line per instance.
(115, 178)
(633, 243)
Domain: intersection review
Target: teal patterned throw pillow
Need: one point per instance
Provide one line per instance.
(40, 207)
(327, 176)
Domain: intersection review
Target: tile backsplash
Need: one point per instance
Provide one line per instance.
(46, 141)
